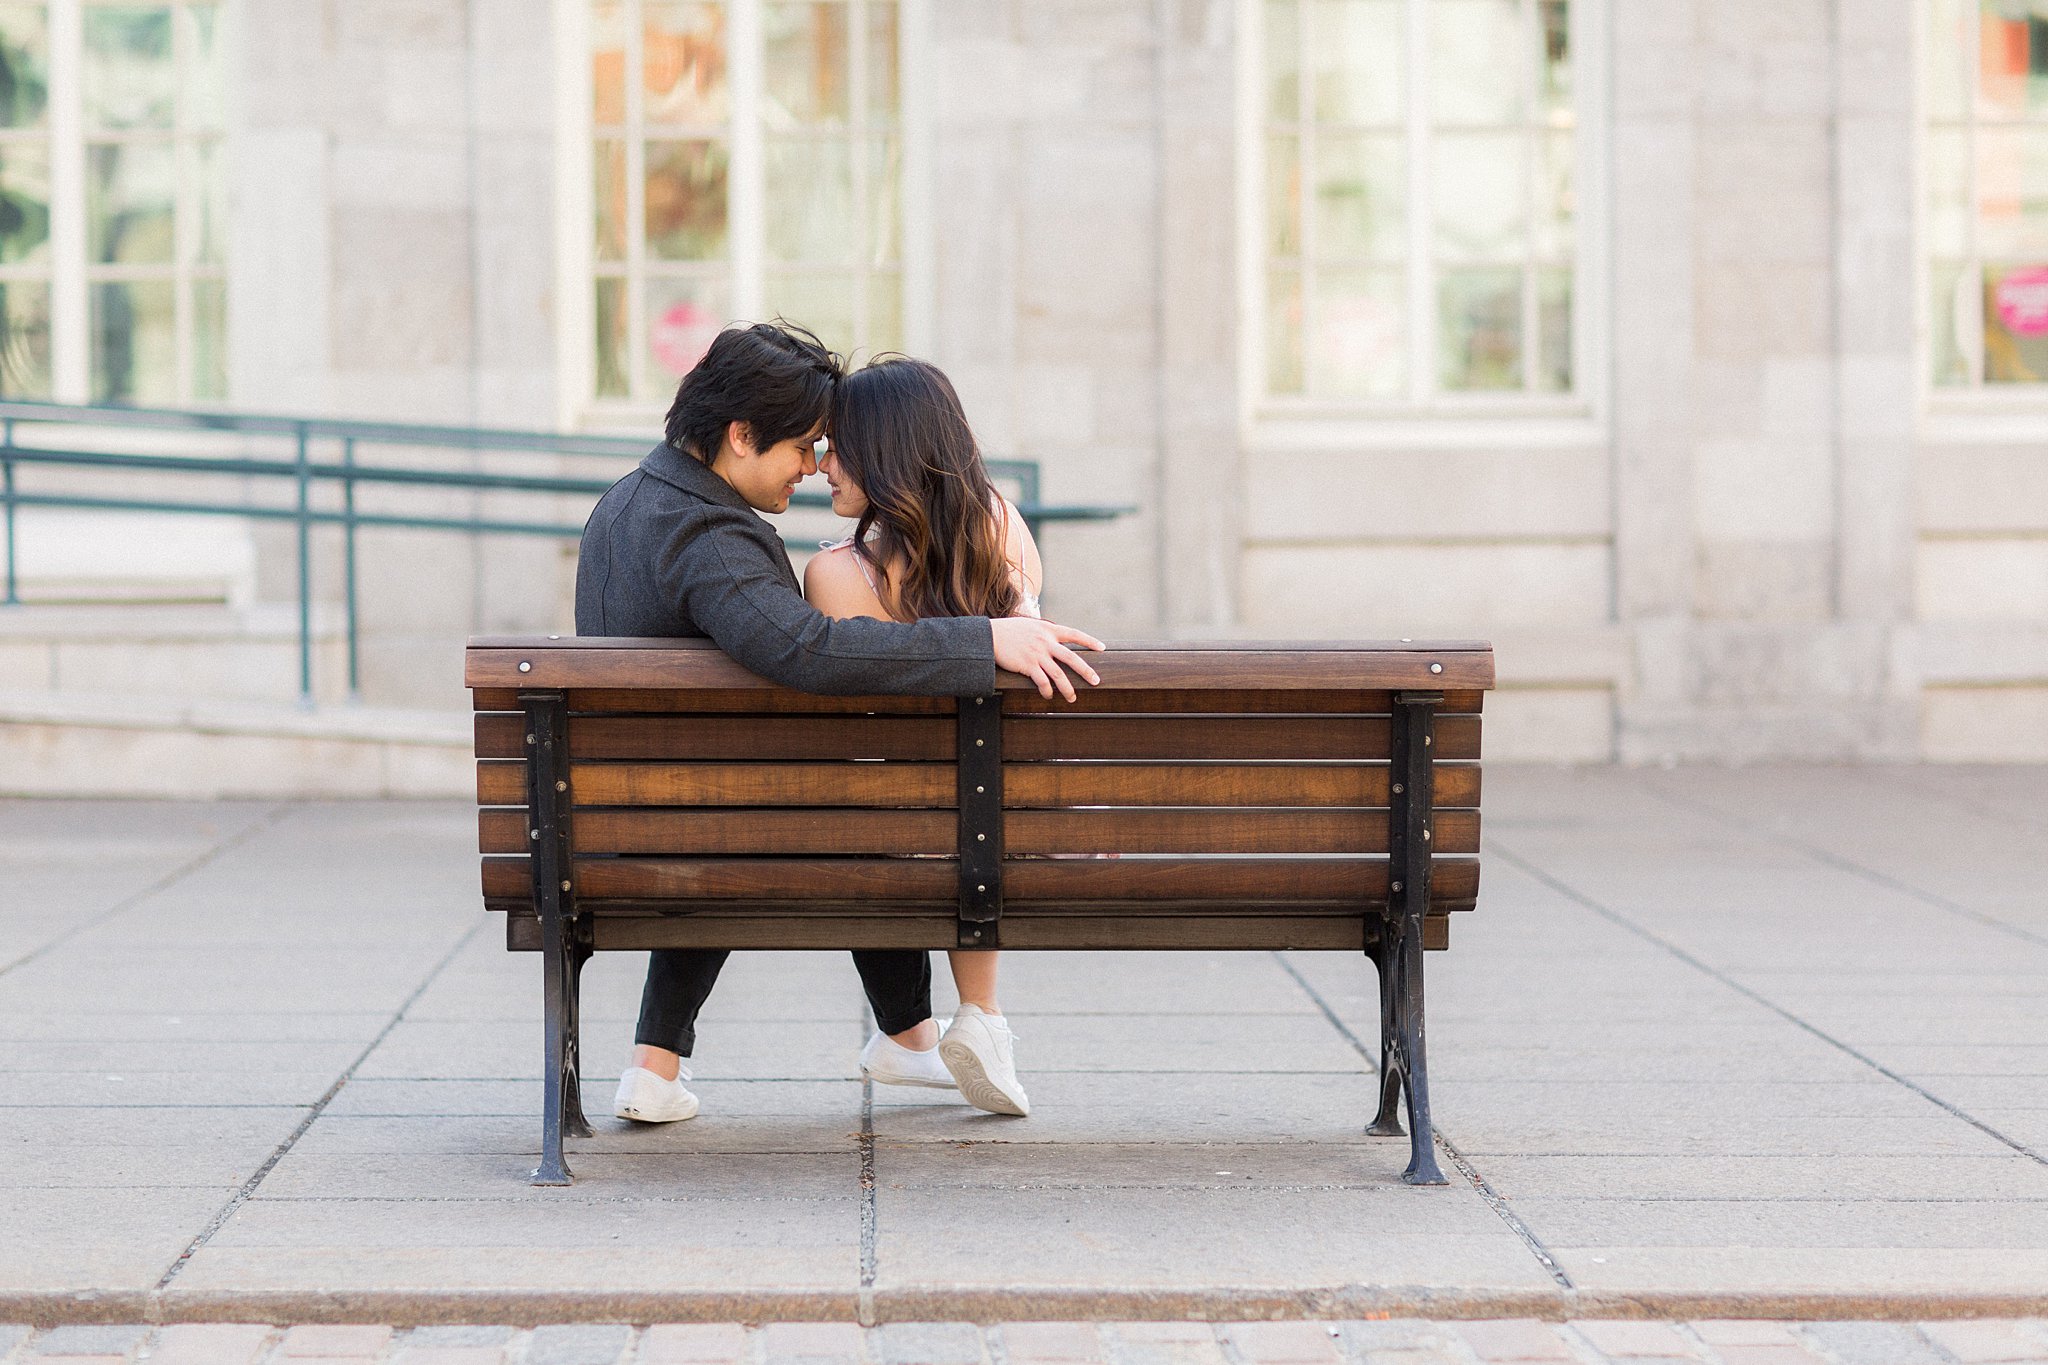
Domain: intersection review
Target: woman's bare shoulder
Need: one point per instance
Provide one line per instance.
(834, 584)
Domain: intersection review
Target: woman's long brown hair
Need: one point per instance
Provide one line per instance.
(898, 429)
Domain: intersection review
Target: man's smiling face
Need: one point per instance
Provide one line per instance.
(766, 477)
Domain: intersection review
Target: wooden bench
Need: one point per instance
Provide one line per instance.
(642, 794)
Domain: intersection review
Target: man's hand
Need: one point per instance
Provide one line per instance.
(1035, 648)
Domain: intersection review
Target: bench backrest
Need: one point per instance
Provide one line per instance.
(1252, 793)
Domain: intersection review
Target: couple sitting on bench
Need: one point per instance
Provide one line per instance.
(935, 590)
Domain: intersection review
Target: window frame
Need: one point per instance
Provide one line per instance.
(69, 267)
(746, 265)
(1974, 410)
(1455, 419)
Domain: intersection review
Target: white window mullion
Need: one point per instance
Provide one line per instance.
(575, 212)
(860, 136)
(1970, 288)
(186, 202)
(70, 310)
(919, 261)
(638, 381)
(1421, 244)
(1535, 135)
(1305, 156)
(747, 181)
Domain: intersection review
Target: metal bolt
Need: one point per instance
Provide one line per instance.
(1397, 886)
(1428, 740)
(979, 743)
(533, 834)
(1425, 835)
(554, 637)
(979, 700)
(1398, 789)
(565, 885)
(1407, 640)
(525, 667)
(531, 740)
(1436, 668)
(981, 838)
(561, 786)
(979, 887)
(980, 790)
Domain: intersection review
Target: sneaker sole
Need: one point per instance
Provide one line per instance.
(975, 1086)
(879, 1079)
(631, 1112)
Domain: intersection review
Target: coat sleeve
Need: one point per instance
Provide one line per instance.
(742, 599)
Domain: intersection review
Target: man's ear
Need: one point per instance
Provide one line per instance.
(740, 438)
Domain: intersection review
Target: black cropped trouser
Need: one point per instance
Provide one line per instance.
(898, 982)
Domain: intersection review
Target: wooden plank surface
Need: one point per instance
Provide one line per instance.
(1022, 932)
(925, 785)
(1222, 738)
(1132, 882)
(775, 700)
(1150, 830)
(534, 662)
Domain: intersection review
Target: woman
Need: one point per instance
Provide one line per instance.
(932, 537)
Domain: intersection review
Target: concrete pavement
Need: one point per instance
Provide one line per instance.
(1717, 1043)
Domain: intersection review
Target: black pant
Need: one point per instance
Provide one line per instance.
(898, 981)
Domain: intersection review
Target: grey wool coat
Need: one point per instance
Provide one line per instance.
(671, 550)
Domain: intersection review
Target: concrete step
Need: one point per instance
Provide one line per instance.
(85, 744)
(191, 651)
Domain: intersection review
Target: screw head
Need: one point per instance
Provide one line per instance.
(978, 791)
(1397, 886)
(525, 667)
(981, 838)
(979, 743)
(979, 887)
(533, 834)
(1425, 836)
(531, 740)
(1398, 789)
(561, 786)
(554, 637)
(979, 700)
(565, 885)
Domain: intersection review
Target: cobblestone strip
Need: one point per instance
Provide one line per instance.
(1411, 1341)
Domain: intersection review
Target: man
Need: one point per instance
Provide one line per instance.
(678, 548)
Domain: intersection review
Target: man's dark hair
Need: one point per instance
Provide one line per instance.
(776, 377)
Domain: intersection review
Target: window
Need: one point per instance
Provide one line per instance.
(1416, 172)
(745, 162)
(1986, 167)
(112, 202)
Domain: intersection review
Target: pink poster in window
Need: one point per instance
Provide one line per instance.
(681, 335)
(2022, 301)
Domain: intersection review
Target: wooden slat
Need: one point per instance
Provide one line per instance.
(933, 931)
(1225, 702)
(763, 700)
(1224, 738)
(532, 662)
(764, 784)
(1142, 830)
(791, 832)
(1454, 882)
(758, 738)
(1046, 785)
(500, 736)
(775, 700)
(1025, 785)
(500, 782)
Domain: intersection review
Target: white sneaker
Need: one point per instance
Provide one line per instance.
(980, 1052)
(646, 1098)
(887, 1062)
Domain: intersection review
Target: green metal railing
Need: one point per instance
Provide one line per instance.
(323, 455)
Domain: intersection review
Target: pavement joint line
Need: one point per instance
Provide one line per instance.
(1829, 858)
(313, 1112)
(1570, 893)
(864, 1310)
(2003, 814)
(261, 824)
(1486, 1191)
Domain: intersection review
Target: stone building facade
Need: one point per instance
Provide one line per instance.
(1749, 525)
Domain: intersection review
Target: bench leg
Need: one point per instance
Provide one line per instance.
(1414, 1067)
(560, 1030)
(1387, 1123)
(573, 1122)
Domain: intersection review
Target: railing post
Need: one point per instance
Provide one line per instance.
(305, 483)
(348, 559)
(7, 498)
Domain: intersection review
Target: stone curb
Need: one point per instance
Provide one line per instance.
(991, 1306)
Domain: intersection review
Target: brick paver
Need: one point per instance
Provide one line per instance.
(579, 1344)
(927, 1343)
(1024, 1342)
(1983, 1343)
(334, 1341)
(1744, 1332)
(1515, 1339)
(1626, 1340)
(1873, 1343)
(209, 1343)
(93, 1340)
(1165, 1343)
(785, 1343)
(692, 1343)
(1284, 1343)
